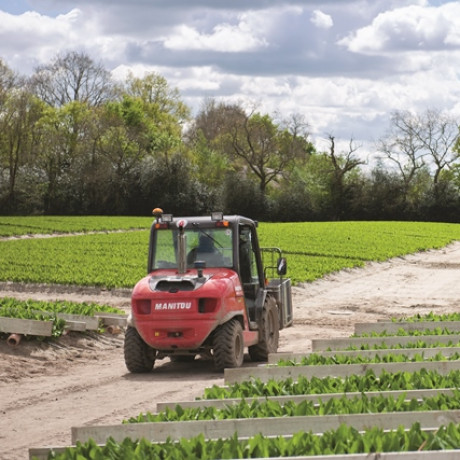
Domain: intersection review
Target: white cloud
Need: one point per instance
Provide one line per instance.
(407, 29)
(321, 20)
(395, 54)
(240, 32)
(203, 79)
(34, 38)
(224, 38)
(33, 29)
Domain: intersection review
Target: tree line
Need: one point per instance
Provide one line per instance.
(74, 141)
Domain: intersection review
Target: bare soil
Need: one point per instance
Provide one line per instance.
(81, 379)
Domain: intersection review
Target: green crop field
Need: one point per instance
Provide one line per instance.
(110, 260)
(19, 226)
(119, 259)
(318, 248)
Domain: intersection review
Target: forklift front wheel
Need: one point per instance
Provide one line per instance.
(269, 332)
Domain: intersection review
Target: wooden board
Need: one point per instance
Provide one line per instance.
(26, 326)
(91, 322)
(274, 358)
(392, 327)
(272, 426)
(76, 326)
(41, 453)
(112, 319)
(265, 373)
(341, 343)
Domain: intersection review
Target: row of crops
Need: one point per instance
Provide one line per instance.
(39, 319)
(32, 225)
(118, 259)
(338, 400)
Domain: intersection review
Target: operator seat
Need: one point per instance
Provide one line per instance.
(206, 252)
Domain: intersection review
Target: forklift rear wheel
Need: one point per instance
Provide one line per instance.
(269, 332)
(228, 345)
(139, 357)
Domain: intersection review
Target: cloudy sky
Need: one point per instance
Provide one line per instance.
(344, 65)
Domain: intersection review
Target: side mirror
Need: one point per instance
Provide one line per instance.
(281, 266)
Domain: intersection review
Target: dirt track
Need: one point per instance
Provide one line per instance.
(47, 389)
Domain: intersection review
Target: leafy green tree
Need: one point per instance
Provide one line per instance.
(204, 139)
(124, 139)
(8, 81)
(162, 109)
(155, 92)
(210, 165)
(19, 113)
(144, 121)
(314, 179)
(293, 200)
(329, 182)
(264, 148)
(64, 147)
(227, 142)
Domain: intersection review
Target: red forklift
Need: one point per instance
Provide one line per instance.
(210, 290)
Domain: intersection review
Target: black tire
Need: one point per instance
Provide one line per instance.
(228, 345)
(269, 332)
(139, 357)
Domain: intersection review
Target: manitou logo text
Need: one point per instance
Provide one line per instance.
(173, 306)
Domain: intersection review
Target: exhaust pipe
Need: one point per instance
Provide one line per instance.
(181, 249)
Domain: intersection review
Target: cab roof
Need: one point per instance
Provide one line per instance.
(205, 221)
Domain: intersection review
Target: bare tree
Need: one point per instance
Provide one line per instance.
(403, 147)
(72, 77)
(439, 136)
(419, 141)
(342, 164)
